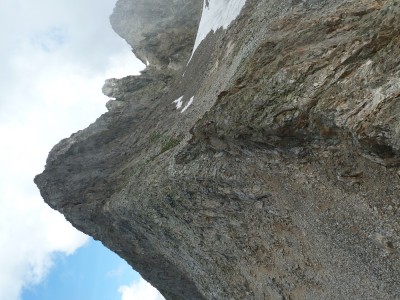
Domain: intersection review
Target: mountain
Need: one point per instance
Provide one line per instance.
(256, 157)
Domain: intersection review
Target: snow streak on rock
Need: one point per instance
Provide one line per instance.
(178, 102)
(217, 14)
(188, 104)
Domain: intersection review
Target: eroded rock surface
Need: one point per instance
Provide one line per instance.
(161, 33)
(280, 181)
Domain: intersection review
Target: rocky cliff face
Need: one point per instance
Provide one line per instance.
(266, 168)
(161, 33)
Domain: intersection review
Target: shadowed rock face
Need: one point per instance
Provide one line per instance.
(280, 181)
(161, 33)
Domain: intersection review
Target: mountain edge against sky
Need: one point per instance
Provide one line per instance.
(263, 165)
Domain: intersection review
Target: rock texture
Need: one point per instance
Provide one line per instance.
(161, 33)
(280, 181)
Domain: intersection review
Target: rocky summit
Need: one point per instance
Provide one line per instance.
(264, 163)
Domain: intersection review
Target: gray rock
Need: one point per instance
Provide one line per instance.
(280, 181)
(161, 33)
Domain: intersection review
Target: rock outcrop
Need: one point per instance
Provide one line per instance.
(268, 167)
(161, 33)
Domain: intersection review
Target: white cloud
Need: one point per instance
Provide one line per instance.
(29, 236)
(55, 56)
(141, 290)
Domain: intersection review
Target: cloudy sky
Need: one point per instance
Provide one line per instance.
(54, 58)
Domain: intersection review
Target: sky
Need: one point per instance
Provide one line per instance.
(54, 59)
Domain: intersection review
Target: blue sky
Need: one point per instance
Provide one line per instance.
(93, 272)
(54, 59)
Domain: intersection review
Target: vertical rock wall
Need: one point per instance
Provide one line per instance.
(281, 180)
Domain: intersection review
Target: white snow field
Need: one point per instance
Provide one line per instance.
(217, 14)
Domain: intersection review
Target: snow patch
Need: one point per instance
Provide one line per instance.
(188, 104)
(217, 14)
(178, 102)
